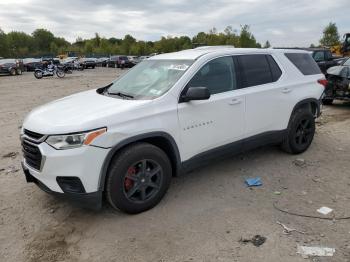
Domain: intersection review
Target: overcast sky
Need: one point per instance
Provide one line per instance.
(284, 23)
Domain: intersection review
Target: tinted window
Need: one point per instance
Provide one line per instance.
(217, 75)
(328, 55)
(304, 63)
(256, 70)
(275, 70)
(319, 56)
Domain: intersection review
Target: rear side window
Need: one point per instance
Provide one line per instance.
(258, 70)
(304, 62)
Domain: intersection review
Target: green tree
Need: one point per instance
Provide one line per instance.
(330, 35)
(4, 47)
(246, 38)
(19, 44)
(42, 40)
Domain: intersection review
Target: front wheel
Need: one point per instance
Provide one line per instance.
(300, 132)
(60, 73)
(13, 72)
(138, 178)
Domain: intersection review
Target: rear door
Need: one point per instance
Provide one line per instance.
(218, 121)
(267, 102)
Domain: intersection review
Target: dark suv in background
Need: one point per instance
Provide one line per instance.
(323, 58)
(118, 61)
(89, 62)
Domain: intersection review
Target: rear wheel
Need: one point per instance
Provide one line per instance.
(18, 71)
(60, 73)
(138, 178)
(327, 101)
(13, 72)
(38, 74)
(300, 132)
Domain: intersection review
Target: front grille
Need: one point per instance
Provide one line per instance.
(33, 135)
(31, 154)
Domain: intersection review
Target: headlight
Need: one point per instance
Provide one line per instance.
(74, 140)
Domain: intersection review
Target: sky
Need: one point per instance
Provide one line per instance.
(283, 23)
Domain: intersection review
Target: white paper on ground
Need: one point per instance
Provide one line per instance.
(316, 251)
(324, 210)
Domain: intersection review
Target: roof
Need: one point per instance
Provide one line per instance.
(192, 54)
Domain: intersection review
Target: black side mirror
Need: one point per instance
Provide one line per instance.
(195, 93)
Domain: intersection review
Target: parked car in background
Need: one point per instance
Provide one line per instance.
(141, 58)
(338, 86)
(168, 115)
(102, 61)
(11, 66)
(30, 64)
(89, 62)
(134, 60)
(119, 61)
(73, 63)
(323, 58)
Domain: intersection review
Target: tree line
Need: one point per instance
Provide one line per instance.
(43, 43)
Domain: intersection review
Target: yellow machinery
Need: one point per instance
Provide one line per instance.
(344, 48)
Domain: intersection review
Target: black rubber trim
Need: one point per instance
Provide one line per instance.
(307, 101)
(134, 139)
(91, 201)
(205, 158)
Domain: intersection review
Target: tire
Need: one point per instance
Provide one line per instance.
(18, 71)
(128, 188)
(13, 72)
(300, 133)
(38, 74)
(93, 67)
(327, 101)
(60, 73)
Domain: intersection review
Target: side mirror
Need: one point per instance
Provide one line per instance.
(195, 93)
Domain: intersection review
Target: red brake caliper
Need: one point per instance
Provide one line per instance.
(128, 183)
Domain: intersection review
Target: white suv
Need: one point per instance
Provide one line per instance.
(167, 115)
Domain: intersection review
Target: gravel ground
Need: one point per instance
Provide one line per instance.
(205, 213)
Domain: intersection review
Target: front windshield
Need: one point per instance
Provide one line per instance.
(347, 62)
(150, 78)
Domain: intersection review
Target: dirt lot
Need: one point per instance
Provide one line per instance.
(204, 214)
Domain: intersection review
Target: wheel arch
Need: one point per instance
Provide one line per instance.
(160, 139)
(311, 104)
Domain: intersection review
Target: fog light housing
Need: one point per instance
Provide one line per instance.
(70, 184)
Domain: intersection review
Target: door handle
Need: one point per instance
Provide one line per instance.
(235, 101)
(286, 90)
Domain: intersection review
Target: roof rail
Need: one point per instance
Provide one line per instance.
(213, 47)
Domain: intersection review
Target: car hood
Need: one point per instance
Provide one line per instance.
(79, 112)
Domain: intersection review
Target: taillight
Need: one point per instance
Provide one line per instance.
(323, 82)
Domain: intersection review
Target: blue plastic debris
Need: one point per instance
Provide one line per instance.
(256, 181)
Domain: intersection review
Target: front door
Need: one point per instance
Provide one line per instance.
(215, 122)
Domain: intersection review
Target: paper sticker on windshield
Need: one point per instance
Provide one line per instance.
(178, 67)
(155, 91)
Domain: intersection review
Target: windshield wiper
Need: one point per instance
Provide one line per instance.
(121, 95)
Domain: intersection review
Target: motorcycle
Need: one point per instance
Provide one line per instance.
(40, 73)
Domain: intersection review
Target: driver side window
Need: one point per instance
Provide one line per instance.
(217, 75)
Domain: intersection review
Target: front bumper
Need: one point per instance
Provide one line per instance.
(72, 173)
(87, 200)
(4, 70)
